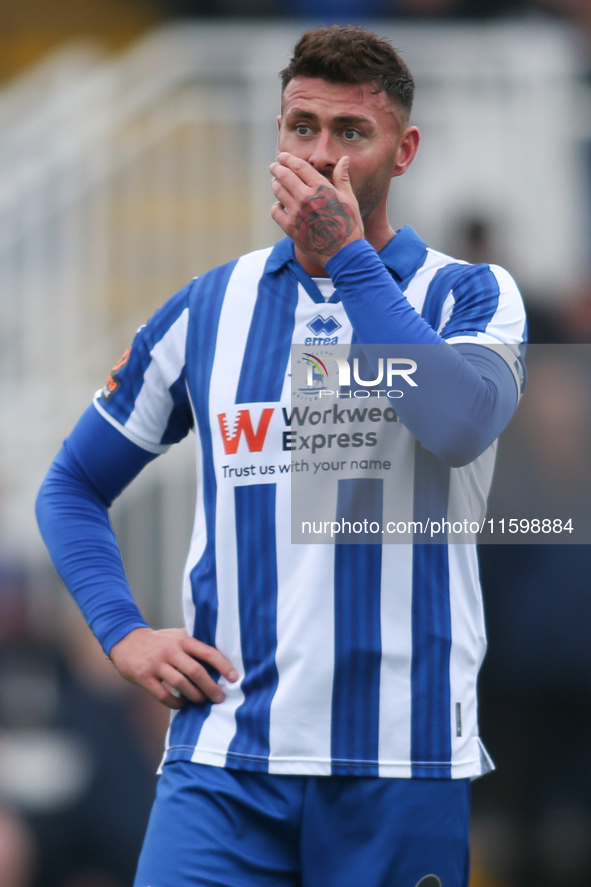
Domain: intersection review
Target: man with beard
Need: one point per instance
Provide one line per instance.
(324, 728)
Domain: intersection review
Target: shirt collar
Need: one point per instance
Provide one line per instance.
(402, 255)
(281, 254)
(405, 253)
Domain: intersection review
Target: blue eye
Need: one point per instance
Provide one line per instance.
(351, 134)
(302, 129)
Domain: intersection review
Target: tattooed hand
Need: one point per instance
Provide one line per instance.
(324, 223)
(320, 216)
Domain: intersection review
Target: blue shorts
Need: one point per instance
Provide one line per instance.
(212, 827)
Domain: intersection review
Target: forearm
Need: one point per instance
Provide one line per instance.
(376, 306)
(464, 396)
(93, 467)
(72, 511)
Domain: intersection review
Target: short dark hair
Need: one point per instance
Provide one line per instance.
(351, 54)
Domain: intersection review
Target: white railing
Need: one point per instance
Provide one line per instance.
(120, 179)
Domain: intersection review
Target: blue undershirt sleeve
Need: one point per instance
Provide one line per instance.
(465, 394)
(94, 465)
(376, 306)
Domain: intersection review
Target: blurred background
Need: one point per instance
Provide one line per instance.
(135, 138)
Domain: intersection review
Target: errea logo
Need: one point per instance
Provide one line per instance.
(324, 329)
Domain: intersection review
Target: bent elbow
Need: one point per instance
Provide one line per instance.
(461, 446)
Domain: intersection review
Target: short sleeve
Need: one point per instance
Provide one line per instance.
(480, 305)
(476, 303)
(145, 396)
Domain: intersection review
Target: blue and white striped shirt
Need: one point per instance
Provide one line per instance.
(353, 659)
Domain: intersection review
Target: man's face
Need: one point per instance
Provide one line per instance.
(322, 121)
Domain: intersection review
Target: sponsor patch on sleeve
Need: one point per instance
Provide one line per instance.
(113, 382)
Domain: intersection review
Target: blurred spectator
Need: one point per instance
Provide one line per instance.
(578, 11)
(16, 850)
(338, 10)
(533, 816)
(78, 753)
(543, 467)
